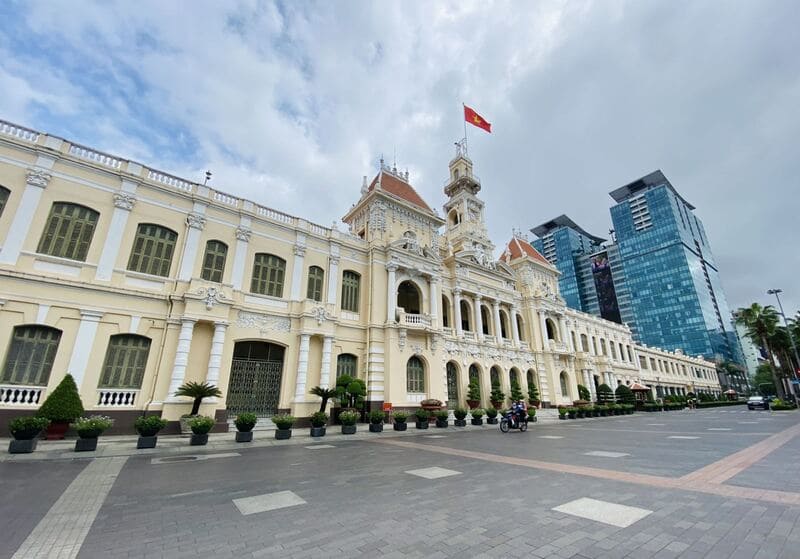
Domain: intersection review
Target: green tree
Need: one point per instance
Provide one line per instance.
(533, 394)
(516, 392)
(763, 381)
(760, 324)
(324, 393)
(604, 394)
(198, 391)
(584, 394)
(63, 405)
(625, 395)
(474, 391)
(497, 394)
(350, 392)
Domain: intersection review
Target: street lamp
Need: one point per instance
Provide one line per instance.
(777, 293)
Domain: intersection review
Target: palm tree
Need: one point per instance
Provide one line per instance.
(325, 394)
(198, 391)
(782, 345)
(760, 323)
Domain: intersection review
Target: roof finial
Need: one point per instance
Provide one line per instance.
(364, 185)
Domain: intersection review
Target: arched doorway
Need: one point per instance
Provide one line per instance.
(453, 398)
(552, 331)
(409, 297)
(475, 376)
(255, 381)
(564, 379)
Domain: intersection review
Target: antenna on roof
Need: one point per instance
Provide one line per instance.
(208, 178)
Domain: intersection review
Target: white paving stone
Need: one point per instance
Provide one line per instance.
(718, 429)
(550, 437)
(682, 437)
(267, 502)
(435, 437)
(656, 424)
(433, 473)
(182, 459)
(613, 514)
(606, 454)
(318, 446)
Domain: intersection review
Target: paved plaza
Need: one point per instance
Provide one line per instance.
(713, 483)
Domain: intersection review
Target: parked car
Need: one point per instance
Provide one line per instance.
(757, 402)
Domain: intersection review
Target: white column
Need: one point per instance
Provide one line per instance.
(123, 204)
(297, 272)
(514, 328)
(498, 334)
(35, 183)
(434, 298)
(325, 367)
(391, 294)
(543, 326)
(215, 356)
(82, 349)
(333, 279)
(457, 312)
(476, 306)
(587, 374)
(302, 369)
(562, 326)
(195, 222)
(181, 358)
(240, 257)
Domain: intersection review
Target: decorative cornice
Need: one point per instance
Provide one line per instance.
(124, 201)
(37, 177)
(195, 221)
(243, 234)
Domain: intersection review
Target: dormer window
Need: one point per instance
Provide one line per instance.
(455, 174)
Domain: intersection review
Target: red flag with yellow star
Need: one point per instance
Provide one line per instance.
(476, 120)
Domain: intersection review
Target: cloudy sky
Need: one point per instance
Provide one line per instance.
(289, 104)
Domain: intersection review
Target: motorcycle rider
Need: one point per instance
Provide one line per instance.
(518, 412)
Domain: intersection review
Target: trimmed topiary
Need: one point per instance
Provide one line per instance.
(604, 394)
(63, 405)
(583, 393)
(625, 395)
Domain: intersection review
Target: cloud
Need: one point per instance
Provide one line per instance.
(291, 103)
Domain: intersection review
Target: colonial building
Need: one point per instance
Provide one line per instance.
(136, 281)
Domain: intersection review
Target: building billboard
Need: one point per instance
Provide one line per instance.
(604, 286)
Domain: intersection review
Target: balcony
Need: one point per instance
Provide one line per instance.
(414, 321)
(21, 396)
(116, 397)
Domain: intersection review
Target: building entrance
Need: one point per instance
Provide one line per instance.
(255, 380)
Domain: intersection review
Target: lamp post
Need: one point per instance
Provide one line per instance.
(777, 293)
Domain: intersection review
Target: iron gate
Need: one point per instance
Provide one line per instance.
(255, 386)
(452, 386)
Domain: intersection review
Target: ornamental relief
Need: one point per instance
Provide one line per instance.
(264, 322)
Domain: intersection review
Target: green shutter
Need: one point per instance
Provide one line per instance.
(31, 355)
(68, 232)
(214, 261)
(346, 365)
(126, 359)
(152, 250)
(268, 275)
(415, 375)
(350, 287)
(316, 277)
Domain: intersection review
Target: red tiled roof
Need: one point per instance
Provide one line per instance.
(637, 386)
(400, 188)
(517, 248)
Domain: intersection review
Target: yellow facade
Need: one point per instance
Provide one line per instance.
(428, 289)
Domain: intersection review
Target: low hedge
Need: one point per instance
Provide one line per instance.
(718, 404)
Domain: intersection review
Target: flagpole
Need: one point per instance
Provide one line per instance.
(463, 111)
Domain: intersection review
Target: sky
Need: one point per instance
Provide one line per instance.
(289, 104)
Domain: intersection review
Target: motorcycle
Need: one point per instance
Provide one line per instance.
(510, 421)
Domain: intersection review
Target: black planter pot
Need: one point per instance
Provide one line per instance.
(244, 436)
(441, 423)
(491, 421)
(348, 429)
(400, 426)
(318, 431)
(460, 422)
(198, 440)
(27, 434)
(422, 424)
(23, 446)
(86, 445)
(478, 421)
(147, 441)
(283, 434)
(563, 417)
(376, 427)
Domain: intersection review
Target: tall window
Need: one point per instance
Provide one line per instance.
(503, 325)
(350, 286)
(4, 192)
(31, 355)
(68, 232)
(485, 321)
(268, 273)
(214, 261)
(126, 359)
(316, 277)
(521, 328)
(152, 251)
(415, 375)
(445, 312)
(346, 365)
(564, 388)
(465, 316)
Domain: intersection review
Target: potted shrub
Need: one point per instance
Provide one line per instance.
(348, 419)
(197, 391)
(477, 416)
(89, 428)
(562, 413)
(491, 416)
(62, 407)
(572, 412)
(604, 394)
(283, 422)
(603, 409)
(516, 392)
(497, 397)
(532, 415)
(25, 431)
(460, 415)
(533, 395)
(324, 393)
(422, 418)
(200, 426)
(318, 422)
(588, 410)
(473, 394)
(148, 427)
(441, 418)
(580, 413)
(376, 418)
(400, 420)
(245, 423)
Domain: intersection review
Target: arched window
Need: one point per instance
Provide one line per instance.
(69, 231)
(125, 363)
(415, 375)
(503, 324)
(475, 376)
(4, 192)
(486, 321)
(31, 355)
(552, 333)
(268, 275)
(346, 364)
(513, 377)
(521, 328)
(214, 261)
(453, 399)
(584, 343)
(530, 378)
(465, 314)
(494, 376)
(445, 312)
(409, 297)
(350, 287)
(152, 251)
(564, 384)
(613, 347)
(603, 350)
(316, 278)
